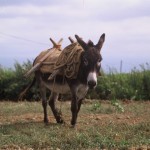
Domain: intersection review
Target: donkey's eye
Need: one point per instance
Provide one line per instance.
(98, 62)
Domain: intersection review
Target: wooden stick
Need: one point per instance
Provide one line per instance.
(32, 69)
(71, 40)
(58, 46)
(60, 41)
(40, 63)
(54, 43)
(48, 63)
(54, 74)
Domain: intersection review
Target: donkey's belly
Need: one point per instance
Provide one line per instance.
(59, 88)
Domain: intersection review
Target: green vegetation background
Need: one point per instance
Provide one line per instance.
(134, 85)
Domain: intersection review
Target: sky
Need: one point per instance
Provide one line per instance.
(26, 26)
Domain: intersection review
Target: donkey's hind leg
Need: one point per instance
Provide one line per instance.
(57, 114)
(44, 102)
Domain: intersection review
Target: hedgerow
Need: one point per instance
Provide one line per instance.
(134, 85)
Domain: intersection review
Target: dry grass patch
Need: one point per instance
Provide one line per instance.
(100, 126)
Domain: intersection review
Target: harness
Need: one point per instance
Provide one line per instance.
(59, 62)
(68, 62)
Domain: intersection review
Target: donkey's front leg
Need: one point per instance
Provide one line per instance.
(74, 102)
(74, 109)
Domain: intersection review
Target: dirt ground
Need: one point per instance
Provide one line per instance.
(135, 113)
(92, 114)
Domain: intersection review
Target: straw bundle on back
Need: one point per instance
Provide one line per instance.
(48, 64)
(64, 62)
(55, 61)
(69, 60)
(46, 55)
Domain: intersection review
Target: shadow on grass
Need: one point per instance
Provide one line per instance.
(30, 123)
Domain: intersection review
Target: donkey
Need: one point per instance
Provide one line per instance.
(86, 79)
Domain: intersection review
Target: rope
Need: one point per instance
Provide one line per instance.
(60, 108)
(69, 60)
(54, 83)
(64, 62)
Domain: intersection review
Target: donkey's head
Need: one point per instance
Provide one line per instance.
(91, 60)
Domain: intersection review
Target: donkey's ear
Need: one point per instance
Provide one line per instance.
(81, 42)
(101, 41)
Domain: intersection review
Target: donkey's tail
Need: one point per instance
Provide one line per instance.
(26, 89)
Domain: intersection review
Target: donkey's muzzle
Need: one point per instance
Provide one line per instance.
(92, 84)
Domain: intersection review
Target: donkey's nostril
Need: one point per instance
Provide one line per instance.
(91, 84)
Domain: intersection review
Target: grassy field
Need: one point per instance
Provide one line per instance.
(101, 125)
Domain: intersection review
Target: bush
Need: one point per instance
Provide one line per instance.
(134, 85)
(12, 81)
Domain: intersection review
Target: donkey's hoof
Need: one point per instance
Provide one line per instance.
(73, 123)
(60, 121)
(46, 121)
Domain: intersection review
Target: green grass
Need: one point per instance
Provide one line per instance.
(21, 126)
